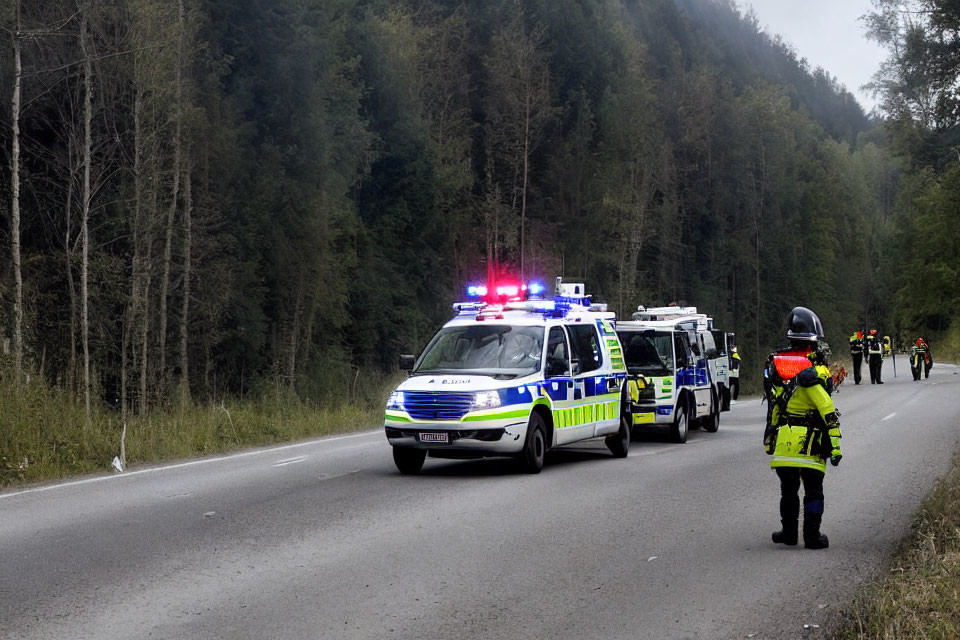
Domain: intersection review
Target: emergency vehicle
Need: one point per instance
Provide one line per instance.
(676, 374)
(512, 374)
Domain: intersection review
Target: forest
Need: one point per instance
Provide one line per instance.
(217, 202)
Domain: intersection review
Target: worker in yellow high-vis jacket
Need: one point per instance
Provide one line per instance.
(803, 427)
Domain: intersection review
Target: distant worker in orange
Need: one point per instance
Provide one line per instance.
(921, 360)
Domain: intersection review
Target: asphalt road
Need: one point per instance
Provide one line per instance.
(324, 539)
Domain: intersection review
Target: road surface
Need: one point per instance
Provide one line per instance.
(325, 539)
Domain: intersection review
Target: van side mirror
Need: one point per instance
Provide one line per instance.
(407, 362)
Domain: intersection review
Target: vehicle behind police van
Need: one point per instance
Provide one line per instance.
(512, 379)
(673, 369)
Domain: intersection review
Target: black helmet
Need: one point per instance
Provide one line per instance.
(803, 324)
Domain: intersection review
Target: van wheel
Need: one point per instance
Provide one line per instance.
(712, 422)
(409, 461)
(535, 446)
(681, 424)
(619, 442)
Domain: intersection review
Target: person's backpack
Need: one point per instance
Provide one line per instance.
(780, 383)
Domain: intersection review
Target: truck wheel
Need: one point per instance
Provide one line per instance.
(712, 422)
(681, 424)
(535, 446)
(619, 442)
(409, 461)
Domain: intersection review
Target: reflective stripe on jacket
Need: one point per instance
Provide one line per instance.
(856, 344)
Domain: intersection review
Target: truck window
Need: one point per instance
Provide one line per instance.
(558, 358)
(648, 352)
(709, 346)
(585, 346)
(719, 339)
(684, 357)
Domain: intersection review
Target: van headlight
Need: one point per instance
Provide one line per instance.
(485, 400)
(396, 401)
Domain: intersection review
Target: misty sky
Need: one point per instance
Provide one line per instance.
(829, 34)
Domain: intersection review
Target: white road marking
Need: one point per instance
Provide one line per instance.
(290, 461)
(888, 417)
(180, 465)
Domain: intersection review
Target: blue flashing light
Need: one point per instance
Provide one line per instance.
(535, 288)
(476, 291)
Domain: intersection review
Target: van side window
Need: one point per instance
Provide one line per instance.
(558, 359)
(719, 339)
(585, 345)
(682, 349)
(709, 346)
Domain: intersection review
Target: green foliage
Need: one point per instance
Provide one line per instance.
(354, 163)
(918, 598)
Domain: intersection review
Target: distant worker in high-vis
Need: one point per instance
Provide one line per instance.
(803, 427)
(735, 374)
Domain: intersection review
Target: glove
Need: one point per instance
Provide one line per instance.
(835, 460)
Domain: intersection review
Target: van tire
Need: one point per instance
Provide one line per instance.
(711, 423)
(681, 424)
(409, 461)
(535, 445)
(619, 442)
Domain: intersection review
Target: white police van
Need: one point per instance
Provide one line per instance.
(510, 376)
(676, 375)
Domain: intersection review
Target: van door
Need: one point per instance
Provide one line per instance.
(586, 362)
(691, 372)
(720, 370)
(558, 381)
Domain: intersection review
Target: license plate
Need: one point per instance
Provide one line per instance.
(643, 418)
(432, 436)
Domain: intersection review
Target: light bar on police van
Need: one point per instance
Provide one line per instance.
(476, 291)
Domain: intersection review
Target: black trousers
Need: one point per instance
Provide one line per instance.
(857, 359)
(790, 479)
(876, 364)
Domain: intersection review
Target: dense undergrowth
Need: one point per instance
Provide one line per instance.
(920, 597)
(43, 434)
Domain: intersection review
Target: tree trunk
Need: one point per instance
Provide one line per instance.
(15, 203)
(84, 232)
(185, 314)
(71, 286)
(174, 198)
(145, 299)
(526, 170)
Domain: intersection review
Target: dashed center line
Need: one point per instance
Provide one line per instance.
(289, 461)
(888, 417)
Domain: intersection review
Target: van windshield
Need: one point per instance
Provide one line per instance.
(485, 350)
(648, 352)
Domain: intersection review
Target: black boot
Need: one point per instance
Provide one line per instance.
(812, 538)
(787, 535)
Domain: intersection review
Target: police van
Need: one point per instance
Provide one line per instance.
(512, 374)
(676, 374)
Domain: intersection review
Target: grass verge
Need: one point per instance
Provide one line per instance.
(44, 435)
(920, 597)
